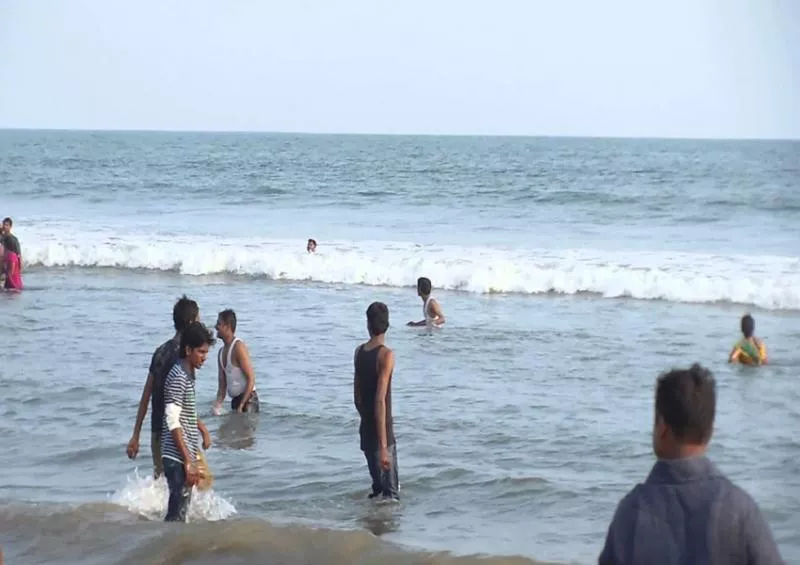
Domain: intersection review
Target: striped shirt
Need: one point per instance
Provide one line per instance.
(179, 390)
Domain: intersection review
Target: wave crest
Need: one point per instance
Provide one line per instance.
(767, 282)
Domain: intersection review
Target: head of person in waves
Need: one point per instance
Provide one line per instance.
(235, 370)
(687, 511)
(311, 246)
(749, 350)
(433, 316)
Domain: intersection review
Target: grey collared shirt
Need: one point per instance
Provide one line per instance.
(688, 513)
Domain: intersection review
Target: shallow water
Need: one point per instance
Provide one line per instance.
(519, 425)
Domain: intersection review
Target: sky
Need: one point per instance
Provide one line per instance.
(620, 68)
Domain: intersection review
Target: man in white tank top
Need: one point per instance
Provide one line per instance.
(431, 310)
(236, 376)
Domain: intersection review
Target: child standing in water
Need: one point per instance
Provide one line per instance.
(749, 350)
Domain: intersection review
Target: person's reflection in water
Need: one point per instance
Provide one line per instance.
(238, 431)
(381, 518)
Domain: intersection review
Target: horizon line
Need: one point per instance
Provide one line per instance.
(395, 134)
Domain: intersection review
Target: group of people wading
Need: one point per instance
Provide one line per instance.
(177, 432)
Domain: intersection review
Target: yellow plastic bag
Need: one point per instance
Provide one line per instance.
(205, 476)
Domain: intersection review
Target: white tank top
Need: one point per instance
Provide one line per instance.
(429, 319)
(234, 377)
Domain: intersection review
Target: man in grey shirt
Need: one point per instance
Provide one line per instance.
(686, 512)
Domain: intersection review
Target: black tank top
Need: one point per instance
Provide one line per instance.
(367, 371)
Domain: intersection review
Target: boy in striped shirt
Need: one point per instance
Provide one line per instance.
(181, 425)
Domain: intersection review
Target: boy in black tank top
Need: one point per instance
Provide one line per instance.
(372, 394)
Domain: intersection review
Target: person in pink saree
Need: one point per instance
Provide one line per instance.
(11, 270)
(10, 257)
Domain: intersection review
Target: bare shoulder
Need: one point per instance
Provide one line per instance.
(385, 354)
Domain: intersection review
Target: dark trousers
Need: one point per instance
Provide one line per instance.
(252, 403)
(384, 483)
(180, 495)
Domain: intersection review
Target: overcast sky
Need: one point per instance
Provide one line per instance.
(673, 68)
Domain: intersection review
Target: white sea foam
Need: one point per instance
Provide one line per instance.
(769, 282)
(148, 498)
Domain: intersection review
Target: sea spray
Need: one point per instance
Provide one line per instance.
(147, 497)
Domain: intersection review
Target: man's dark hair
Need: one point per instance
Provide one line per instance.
(314, 241)
(184, 313)
(748, 325)
(228, 317)
(686, 399)
(195, 335)
(8, 221)
(377, 318)
(424, 285)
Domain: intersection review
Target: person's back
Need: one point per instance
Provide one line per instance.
(366, 368)
(164, 358)
(686, 512)
(749, 350)
(372, 394)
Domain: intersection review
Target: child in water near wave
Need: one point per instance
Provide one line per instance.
(749, 350)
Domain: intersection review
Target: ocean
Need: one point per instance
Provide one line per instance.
(571, 271)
